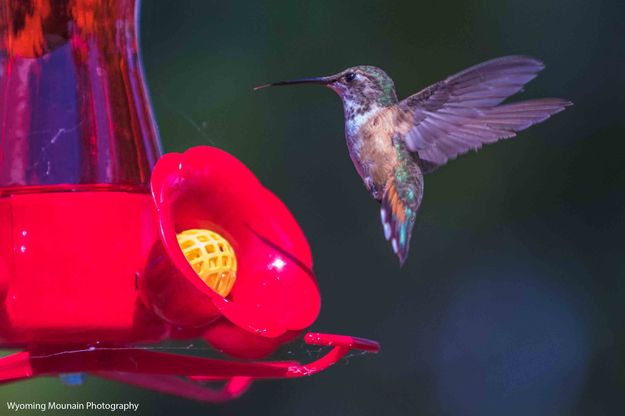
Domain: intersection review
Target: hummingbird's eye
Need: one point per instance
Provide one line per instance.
(350, 76)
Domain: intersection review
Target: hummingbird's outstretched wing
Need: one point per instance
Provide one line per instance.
(464, 111)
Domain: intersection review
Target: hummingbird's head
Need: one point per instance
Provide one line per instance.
(358, 86)
(364, 84)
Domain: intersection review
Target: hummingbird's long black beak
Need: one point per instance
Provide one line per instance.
(316, 80)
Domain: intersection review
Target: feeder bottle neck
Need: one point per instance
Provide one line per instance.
(74, 109)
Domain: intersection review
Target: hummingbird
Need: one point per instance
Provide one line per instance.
(393, 143)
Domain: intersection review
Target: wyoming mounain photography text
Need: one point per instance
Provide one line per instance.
(43, 406)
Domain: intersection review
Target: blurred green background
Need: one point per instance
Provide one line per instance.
(512, 299)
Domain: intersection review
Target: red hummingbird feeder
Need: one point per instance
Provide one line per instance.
(107, 248)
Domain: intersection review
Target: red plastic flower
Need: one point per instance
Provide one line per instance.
(275, 289)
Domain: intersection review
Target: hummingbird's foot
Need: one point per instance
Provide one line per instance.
(372, 188)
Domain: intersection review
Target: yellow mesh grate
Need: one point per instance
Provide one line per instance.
(212, 257)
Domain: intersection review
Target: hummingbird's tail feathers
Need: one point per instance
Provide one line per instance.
(400, 203)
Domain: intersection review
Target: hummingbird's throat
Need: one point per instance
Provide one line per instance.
(357, 114)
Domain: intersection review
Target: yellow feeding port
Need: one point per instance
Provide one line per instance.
(212, 257)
